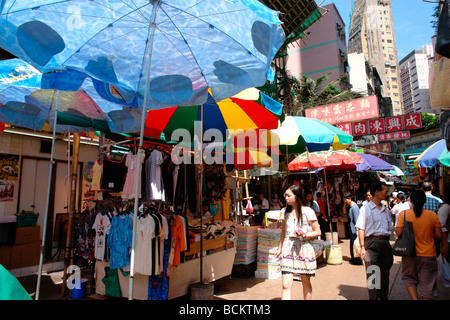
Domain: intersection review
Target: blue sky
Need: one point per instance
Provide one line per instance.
(411, 22)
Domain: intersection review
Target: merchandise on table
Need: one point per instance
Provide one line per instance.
(246, 245)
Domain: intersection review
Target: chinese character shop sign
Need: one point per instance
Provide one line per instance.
(412, 121)
(360, 128)
(376, 126)
(394, 124)
(347, 111)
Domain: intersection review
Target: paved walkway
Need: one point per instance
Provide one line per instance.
(332, 282)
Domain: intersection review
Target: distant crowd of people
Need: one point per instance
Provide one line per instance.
(375, 222)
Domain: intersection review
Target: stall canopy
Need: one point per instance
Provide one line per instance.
(372, 163)
(430, 157)
(300, 134)
(297, 16)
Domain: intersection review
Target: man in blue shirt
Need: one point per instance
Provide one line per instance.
(353, 213)
(432, 202)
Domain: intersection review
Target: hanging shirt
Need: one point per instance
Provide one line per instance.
(129, 188)
(96, 175)
(177, 242)
(154, 182)
(101, 225)
(119, 241)
(145, 233)
(113, 175)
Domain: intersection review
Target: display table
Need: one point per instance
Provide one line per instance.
(215, 266)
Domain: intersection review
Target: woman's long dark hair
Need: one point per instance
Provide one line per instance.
(418, 199)
(299, 199)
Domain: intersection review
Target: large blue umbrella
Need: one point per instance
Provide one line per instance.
(28, 99)
(168, 52)
(188, 45)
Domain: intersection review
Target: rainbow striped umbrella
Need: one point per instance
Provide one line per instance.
(250, 109)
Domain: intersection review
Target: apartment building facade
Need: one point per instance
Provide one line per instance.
(322, 51)
(414, 75)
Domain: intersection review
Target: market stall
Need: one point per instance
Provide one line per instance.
(170, 232)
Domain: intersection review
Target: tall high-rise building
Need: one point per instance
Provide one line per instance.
(414, 71)
(372, 33)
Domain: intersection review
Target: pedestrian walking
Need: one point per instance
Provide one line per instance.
(400, 205)
(432, 202)
(421, 270)
(353, 213)
(322, 217)
(443, 215)
(375, 227)
(297, 255)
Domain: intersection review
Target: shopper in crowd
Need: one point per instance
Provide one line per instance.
(421, 270)
(353, 213)
(443, 215)
(393, 199)
(260, 210)
(297, 255)
(400, 205)
(276, 203)
(322, 217)
(432, 202)
(367, 197)
(310, 202)
(375, 227)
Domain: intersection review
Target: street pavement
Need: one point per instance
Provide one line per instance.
(332, 282)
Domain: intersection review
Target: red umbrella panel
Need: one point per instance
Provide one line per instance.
(324, 159)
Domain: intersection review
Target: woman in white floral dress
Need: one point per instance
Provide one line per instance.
(295, 251)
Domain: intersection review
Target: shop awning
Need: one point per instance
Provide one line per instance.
(296, 15)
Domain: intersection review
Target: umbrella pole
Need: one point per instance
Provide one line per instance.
(328, 204)
(41, 260)
(138, 159)
(68, 254)
(201, 194)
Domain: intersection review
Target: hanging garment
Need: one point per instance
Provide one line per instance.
(97, 175)
(119, 241)
(177, 241)
(113, 174)
(85, 244)
(145, 233)
(129, 188)
(167, 172)
(101, 226)
(158, 285)
(155, 243)
(154, 182)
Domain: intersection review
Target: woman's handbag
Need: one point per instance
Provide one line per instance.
(405, 246)
(356, 248)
